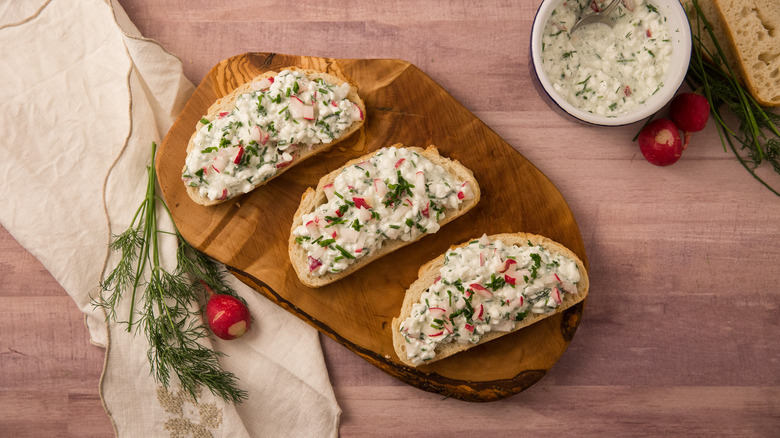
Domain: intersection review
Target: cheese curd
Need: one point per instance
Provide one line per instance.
(486, 286)
(395, 194)
(607, 70)
(266, 130)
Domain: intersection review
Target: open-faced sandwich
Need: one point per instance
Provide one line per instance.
(374, 205)
(264, 128)
(483, 289)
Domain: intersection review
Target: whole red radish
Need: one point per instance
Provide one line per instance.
(227, 315)
(690, 112)
(660, 142)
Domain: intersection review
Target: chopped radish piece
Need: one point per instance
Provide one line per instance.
(480, 290)
(469, 327)
(357, 115)
(649, 35)
(627, 91)
(629, 4)
(556, 295)
(484, 240)
(220, 161)
(437, 311)
(436, 334)
(335, 234)
(399, 162)
(318, 252)
(360, 202)
(296, 108)
(339, 213)
(481, 259)
(557, 277)
(408, 202)
(262, 135)
(448, 326)
(569, 287)
(223, 114)
(425, 211)
(313, 229)
(308, 112)
(224, 195)
(361, 242)
(333, 102)
(507, 264)
(285, 164)
(510, 280)
(419, 182)
(263, 83)
(329, 190)
(437, 279)
(465, 191)
(314, 263)
(480, 312)
(239, 154)
(364, 214)
(467, 293)
(380, 187)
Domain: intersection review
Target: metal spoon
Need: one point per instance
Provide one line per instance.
(597, 17)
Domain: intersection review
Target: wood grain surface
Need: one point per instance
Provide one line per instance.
(250, 234)
(680, 340)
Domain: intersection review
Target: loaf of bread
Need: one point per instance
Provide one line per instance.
(265, 127)
(483, 289)
(746, 31)
(374, 205)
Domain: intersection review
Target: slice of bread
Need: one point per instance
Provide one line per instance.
(313, 198)
(748, 32)
(430, 272)
(228, 102)
(754, 31)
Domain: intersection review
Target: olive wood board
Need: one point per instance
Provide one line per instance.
(250, 233)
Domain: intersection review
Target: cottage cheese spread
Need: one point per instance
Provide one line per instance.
(268, 128)
(486, 286)
(603, 70)
(396, 194)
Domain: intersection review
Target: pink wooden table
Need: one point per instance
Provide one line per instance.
(679, 336)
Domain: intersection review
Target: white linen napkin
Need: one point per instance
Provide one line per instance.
(83, 98)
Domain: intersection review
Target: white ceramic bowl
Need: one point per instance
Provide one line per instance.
(680, 32)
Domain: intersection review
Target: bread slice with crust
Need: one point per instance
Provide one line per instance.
(752, 27)
(429, 272)
(747, 34)
(313, 198)
(228, 102)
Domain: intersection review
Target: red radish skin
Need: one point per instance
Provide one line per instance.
(228, 317)
(690, 112)
(660, 142)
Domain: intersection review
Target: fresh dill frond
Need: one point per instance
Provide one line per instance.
(170, 314)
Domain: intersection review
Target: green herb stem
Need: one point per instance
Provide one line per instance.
(171, 315)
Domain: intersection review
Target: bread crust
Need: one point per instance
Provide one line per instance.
(313, 198)
(753, 59)
(429, 271)
(227, 103)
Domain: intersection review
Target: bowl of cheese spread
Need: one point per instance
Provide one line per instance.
(611, 75)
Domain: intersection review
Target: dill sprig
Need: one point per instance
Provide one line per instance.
(758, 131)
(171, 313)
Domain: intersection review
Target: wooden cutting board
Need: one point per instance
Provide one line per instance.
(250, 234)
